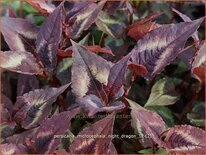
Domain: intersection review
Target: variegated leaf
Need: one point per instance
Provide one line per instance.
(162, 93)
(41, 6)
(185, 139)
(12, 149)
(19, 34)
(97, 145)
(45, 141)
(89, 72)
(152, 127)
(85, 18)
(92, 105)
(161, 46)
(31, 108)
(110, 25)
(49, 37)
(20, 62)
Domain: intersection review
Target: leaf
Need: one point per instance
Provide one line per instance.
(138, 69)
(41, 6)
(96, 49)
(162, 93)
(49, 37)
(187, 19)
(142, 26)
(89, 72)
(31, 108)
(19, 34)
(85, 18)
(20, 62)
(45, 140)
(12, 149)
(92, 105)
(117, 77)
(185, 139)
(161, 46)
(198, 65)
(153, 127)
(110, 25)
(97, 145)
(197, 114)
(26, 83)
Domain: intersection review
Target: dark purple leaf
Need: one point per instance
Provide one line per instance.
(49, 37)
(45, 140)
(42, 6)
(31, 108)
(26, 83)
(185, 139)
(161, 46)
(151, 123)
(85, 18)
(92, 105)
(97, 145)
(89, 72)
(117, 77)
(12, 149)
(187, 19)
(19, 34)
(20, 62)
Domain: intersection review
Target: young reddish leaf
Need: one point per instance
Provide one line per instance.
(12, 149)
(92, 105)
(26, 83)
(31, 108)
(138, 69)
(19, 34)
(44, 141)
(110, 25)
(198, 65)
(41, 6)
(142, 26)
(162, 93)
(117, 77)
(96, 49)
(187, 19)
(98, 145)
(161, 46)
(20, 62)
(89, 72)
(153, 127)
(49, 37)
(85, 18)
(185, 139)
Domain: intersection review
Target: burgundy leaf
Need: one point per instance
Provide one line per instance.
(187, 19)
(19, 34)
(153, 127)
(26, 83)
(92, 105)
(85, 18)
(31, 108)
(12, 149)
(49, 37)
(89, 72)
(97, 145)
(41, 6)
(185, 139)
(117, 77)
(20, 62)
(161, 46)
(142, 26)
(45, 140)
(137, 69)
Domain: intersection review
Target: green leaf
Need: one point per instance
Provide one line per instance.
(133, 104)
(196, 116)
(162, 93)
